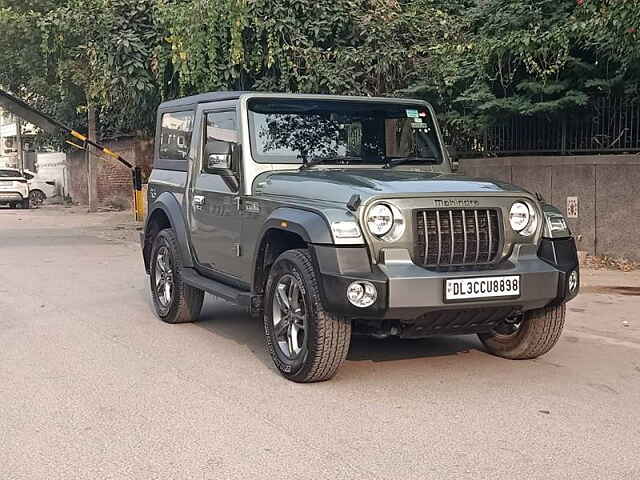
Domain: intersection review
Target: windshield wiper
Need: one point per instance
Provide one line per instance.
(335, 158)
(394, 162)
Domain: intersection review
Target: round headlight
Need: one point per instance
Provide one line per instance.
(380, 220)
(519, 216)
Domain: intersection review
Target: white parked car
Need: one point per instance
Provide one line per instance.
(39, 188)
(14, 188)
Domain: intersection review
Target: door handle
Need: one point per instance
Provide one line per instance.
(198, 201)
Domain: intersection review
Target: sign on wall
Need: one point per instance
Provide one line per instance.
(572, 207)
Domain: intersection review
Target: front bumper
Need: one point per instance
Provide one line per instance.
(407, 291)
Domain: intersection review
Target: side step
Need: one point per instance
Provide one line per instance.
(191, 277)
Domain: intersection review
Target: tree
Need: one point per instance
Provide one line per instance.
(612, 28)
(346, 46)
(480, 62)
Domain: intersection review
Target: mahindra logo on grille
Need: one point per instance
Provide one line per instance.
(457, 203)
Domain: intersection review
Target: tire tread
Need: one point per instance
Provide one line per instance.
(540, 332)
(333, 332)
(188, 302)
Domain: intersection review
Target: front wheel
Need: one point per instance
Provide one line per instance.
(26, 204)
(174, 301)
(536, 333)
(306, 343)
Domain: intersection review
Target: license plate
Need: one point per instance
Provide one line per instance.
(482, 287)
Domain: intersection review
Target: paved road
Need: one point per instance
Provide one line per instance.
(92, 385)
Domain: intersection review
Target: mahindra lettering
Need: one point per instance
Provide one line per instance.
(328, 215)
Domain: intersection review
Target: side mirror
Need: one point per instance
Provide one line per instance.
(219, 147)
(219, 160)
(453, 157)
(218, 155)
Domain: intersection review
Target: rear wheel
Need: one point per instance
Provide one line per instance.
(306, 343)
(37, 198)
(534, 335)
(174, 301)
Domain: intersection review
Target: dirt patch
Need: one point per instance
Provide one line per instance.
(610, 263)
(611, 290)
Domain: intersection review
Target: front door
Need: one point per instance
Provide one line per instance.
(216, 222)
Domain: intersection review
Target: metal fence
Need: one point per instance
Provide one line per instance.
(609, 124)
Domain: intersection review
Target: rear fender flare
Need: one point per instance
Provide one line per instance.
(172, 209)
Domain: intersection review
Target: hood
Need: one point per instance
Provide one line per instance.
(339, 185)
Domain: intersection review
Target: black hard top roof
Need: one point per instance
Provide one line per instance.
(220, 96)
(202, 98)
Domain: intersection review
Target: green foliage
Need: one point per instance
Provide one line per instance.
(344, 46)
(612, 27)
(109, 56)
(478, 61)
(65, 55)
(548, 57)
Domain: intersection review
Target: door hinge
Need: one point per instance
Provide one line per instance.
(238, 249)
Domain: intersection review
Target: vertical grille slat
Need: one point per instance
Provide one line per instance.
(457, 237)
(453, 236)
(426, 235)
(475, 213)
(490, 237)
(439, 237)
(464, 232)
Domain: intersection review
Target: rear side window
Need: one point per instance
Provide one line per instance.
(175, 136)
(9, 173)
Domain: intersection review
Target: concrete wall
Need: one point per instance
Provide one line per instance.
(113, 179)
(53, 166)
(607, 187)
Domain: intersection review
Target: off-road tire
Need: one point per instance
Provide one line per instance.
(538, 333)
(327, 335)
(186, 302)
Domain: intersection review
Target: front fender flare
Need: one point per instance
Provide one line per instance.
(310, 226)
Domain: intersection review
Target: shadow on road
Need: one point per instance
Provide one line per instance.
(390, 349)
(234, 323)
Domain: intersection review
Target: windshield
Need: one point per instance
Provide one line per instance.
(341, 132)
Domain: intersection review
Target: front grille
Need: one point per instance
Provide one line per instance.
(456, 237)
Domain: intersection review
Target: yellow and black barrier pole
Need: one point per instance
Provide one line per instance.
(28, 113)
(136, 174)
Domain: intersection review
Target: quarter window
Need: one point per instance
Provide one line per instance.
(175, 139)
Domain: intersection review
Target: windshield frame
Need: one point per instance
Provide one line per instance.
(402, 102)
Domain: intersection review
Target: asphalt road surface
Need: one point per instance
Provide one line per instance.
(94, 386)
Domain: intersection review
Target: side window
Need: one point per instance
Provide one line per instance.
(175, 136)
(220, 143)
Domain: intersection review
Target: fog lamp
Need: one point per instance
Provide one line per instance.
(573, 282)
(362, 294)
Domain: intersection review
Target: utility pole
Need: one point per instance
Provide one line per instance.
(19, 141)
(92, 184)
